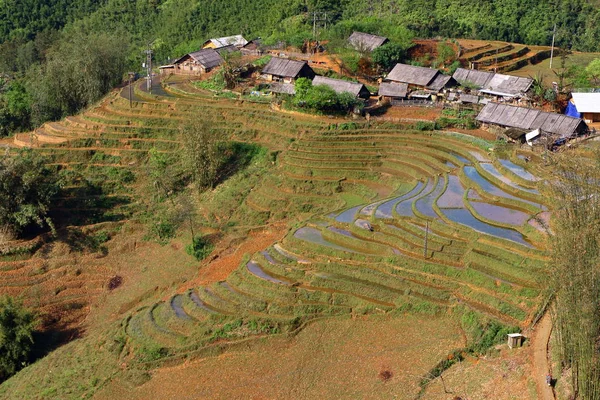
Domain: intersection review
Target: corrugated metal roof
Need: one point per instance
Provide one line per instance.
(366, 41)
(528, 119)
(283, 67)
(340, 86)
(492, 83)
(393, 89)
(236, 40)
(413, 75)
(587, 102)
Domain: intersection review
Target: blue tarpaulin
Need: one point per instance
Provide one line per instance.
(571, 110)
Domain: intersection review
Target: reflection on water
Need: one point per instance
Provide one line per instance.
(453, 196)
(518, 170)
(500, 214)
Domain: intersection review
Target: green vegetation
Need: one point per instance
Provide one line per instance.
(17, 325)
(27, 187)
(575, 275)
(199, 248)
(322, 98)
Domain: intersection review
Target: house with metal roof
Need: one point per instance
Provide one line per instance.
(365, 41)
(237, 41)
(420, 77)
(286, 70)
(493, 84)
(342, 86)
(195, 63)
(523, 119)
(588, 105)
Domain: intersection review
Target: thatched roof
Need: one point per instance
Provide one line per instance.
(366, 41)
(284, 67)
(412, 75)
(208, 58)
(393, 89)
(285, 88)
(237, 40)
(529, 119)
(341, 86)
(492, 83)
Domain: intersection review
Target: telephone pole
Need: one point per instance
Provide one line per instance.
(149, 68)
(319, 20)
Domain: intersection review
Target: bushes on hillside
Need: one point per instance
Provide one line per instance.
(17, 325)
(322, 98)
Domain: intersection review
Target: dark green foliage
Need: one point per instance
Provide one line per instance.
(199, 248)
(26, 190)
(388, 55)
(17, 325)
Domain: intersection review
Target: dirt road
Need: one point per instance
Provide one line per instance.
(539, 345)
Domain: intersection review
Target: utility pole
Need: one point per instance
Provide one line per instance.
(149, 68)
(552, 49)
(319, 20)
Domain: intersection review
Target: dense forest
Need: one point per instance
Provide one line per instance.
(58, 56)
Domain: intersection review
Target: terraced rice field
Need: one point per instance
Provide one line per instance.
(392, 219)
(501, 57)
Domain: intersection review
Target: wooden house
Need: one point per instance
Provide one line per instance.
(196, 63)
(342, 86)
(522, 119)
(391, 91)
(420, 78)
(365, 41)
(287, 71)
(515, 340)
(588, 105)
(493, 84)
(253, 48)
(237, 41)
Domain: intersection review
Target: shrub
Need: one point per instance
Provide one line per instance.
(199, 248)
(16, 336)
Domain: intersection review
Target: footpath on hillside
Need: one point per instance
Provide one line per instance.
(539, 345)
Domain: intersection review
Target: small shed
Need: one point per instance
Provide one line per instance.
(365, 41)
(420, 77)
(286, 70)
(493, 84)
(283, 88)
(393, 91)
(198, 62)
(588, 104)
(253, 48)
(342, 86)
(237, 41)
(515, 340)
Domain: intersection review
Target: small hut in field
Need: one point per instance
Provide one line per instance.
(365, 41)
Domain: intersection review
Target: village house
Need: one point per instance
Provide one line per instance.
(195, 63)
(393, 91)
(421, 82)
(286, 70)
(588, 106)
(365, 41)
(492, 84)
(237, 41)
(517, 122)
(342, 86)
(253, 48)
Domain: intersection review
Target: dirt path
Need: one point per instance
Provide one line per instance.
(539, 344)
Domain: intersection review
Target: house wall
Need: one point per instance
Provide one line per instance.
(209, 45)
(592, 117)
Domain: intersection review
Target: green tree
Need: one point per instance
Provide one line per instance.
(388, 55)
(27, 187)
(204, 153)
(593, 69)
(17, 325)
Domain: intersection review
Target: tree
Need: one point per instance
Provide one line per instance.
(388, 55)
(593, 69)
(17, 325)
(27, 187)
(204, 153)
(575, 269)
